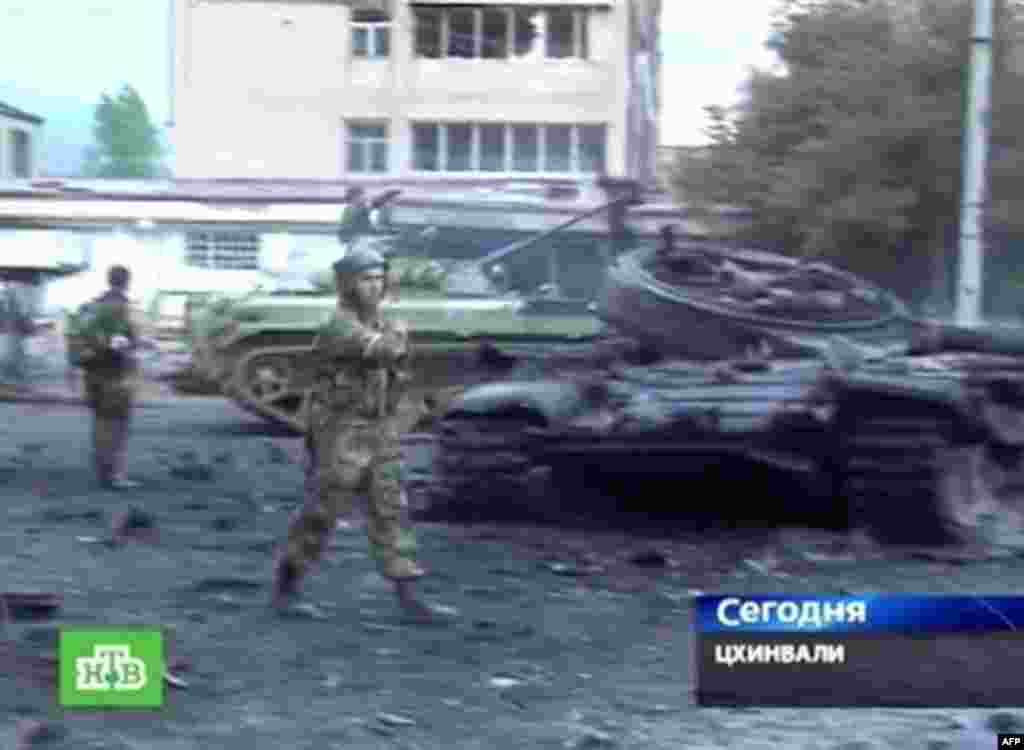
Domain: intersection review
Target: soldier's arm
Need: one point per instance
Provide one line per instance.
(384, 198)
(348, 339)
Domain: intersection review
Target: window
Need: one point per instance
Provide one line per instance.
(495, 25)
(429, 41)
(492, 148)
(513, 147)
(21, 154)
(561, 39)
(367, 147)
(558, 148)
(527, 27)
(426, 147)
(371, 34)
(235, 251)
(525, 148)
(460, 147)
(592, 148)
(582, 33)
(496, 32)
(461, 36)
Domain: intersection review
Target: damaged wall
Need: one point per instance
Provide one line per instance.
(275, 101)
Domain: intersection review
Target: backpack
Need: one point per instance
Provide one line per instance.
(88, 334)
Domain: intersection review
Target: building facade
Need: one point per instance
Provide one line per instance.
(21, 137)
(333, 89)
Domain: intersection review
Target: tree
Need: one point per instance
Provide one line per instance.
(855, 151)
(127, 142)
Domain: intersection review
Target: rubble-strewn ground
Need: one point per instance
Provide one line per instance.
(565, 639)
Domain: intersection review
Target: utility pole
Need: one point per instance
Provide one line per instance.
(974, 195)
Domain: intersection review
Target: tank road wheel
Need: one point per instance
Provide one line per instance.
(269, 379)
(269, 387)
(482, 470)
(908, 483)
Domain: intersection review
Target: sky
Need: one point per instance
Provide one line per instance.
(78, 49)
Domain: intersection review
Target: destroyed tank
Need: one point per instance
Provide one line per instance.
(913, 438)
(710, 303)
(464, 327)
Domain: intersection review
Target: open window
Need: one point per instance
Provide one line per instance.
(494, 32)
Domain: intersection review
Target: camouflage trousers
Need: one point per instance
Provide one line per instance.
(111, 398)
(347, 462)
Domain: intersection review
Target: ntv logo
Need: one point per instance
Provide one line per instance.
(111, 667)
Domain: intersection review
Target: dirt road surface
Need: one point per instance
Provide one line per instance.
(564, 640)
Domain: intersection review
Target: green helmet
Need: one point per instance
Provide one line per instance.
(360, 259)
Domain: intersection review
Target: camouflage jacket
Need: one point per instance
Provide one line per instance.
(92, 328)
(359, 370)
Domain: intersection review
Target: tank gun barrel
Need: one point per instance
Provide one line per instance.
(933, 338)
(36, 274)
(519, 245)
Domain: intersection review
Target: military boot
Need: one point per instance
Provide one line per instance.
(419, 611)
(285, 598)
(285, 586)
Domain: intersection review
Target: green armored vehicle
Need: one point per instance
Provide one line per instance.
(464, 327)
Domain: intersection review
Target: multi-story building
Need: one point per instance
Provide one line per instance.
(21, 136)
(395, 89)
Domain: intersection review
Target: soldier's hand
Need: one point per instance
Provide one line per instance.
(385, 198)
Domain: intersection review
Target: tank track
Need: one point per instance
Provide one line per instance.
(483, 471)
(904, 480)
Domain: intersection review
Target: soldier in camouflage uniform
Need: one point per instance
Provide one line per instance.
(110, 375)
(17, 318)
(360, 365)
(356, 219)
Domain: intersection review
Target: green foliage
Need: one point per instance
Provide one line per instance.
(419, 274)
(413, 274)
(90, 330)
(127, 142)
(213, 317)
(855, 152)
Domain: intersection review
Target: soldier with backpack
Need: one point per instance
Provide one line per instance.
(102, 340)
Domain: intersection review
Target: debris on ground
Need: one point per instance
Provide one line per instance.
(189, 465)
(174, 681)
(134, 524)
(650, 559)
(28, 606)
(591, 739)
(395, 720)
(33, 733)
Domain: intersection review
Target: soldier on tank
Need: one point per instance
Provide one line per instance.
(357, 217)
(360, 364)
(103, 341)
